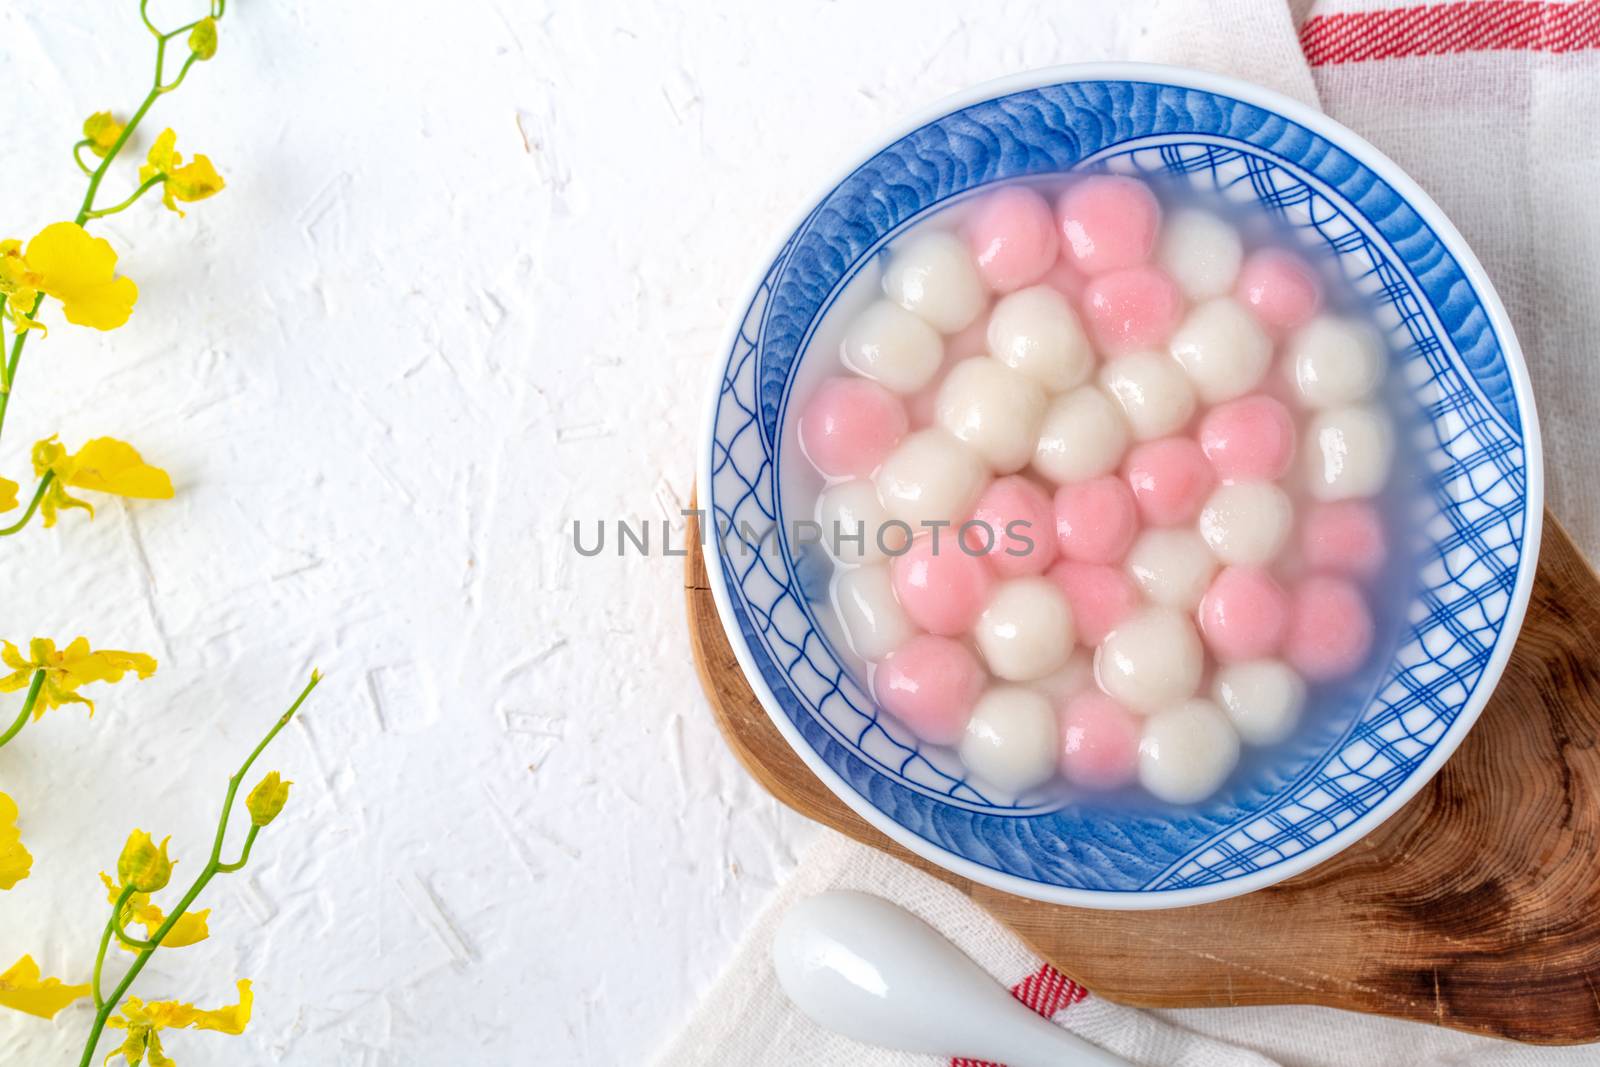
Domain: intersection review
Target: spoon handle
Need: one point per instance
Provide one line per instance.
(861, 966)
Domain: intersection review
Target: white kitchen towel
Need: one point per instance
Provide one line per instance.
(1489, 104)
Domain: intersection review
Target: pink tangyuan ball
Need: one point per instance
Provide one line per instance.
(1096, 520)
(1280, 288)
(1099, 742)
(1330, 628)
(849, 425)
(941, 586)
(1100, 596)
(1130, 309)
(1013, 236)
(1345, 537)
(1109, 222)
(1251, 438)
(1244, 614)
(930, 683)
(1015, 527)
(1170, 478)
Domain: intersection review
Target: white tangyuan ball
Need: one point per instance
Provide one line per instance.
(933, 276)
(994, 409)
(1187, 751)
(893, 347)
(1334, 362)
(1011, 739)
(1223, 349)
(854, 523)
(1347, 452)
(1247, 523)
(1201, 252)
(1083, 435)
(1151, 660)
(1035, 331)
(873, 619)
(1262, 697)
(930, 477)
(1027, 631)
(1172, 566)
(1072, 678)
(1153, 392)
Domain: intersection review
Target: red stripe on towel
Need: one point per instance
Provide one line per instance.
(1046, 991)
(1450, 29)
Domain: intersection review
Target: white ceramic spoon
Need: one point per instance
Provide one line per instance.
(863, 967)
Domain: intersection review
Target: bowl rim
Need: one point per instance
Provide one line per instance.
(1413, 194)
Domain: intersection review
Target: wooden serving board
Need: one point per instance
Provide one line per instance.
(1476, 906)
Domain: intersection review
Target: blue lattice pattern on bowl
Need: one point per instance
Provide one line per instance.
(1460, 370)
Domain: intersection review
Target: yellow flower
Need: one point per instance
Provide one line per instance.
(203, 39)
(101, 130)
(8, 494)
(104, 465)
(67, 670)
(267, 799)
(143, 865)
(191, 928)
(15, 861)
(144, 1022)
(80, 271)
(18, 286)
(21, 990)
(181, 181)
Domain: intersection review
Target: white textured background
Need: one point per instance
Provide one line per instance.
(466, 285)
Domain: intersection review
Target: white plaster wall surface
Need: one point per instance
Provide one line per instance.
(466, 285)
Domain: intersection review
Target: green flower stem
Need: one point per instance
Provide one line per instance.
(77, 156)
(105, 942)
(33, 505)
(100, 213)
(27, 709)
(128, 939)
(213, 867)
(244, 853)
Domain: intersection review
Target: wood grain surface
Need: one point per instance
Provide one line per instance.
(1476, 906)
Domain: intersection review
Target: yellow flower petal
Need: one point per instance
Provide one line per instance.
(186, 182)
(17, 287)
(106, 465)
(80, 271)
(195, 181)
(8, 494)
(15, 861)
(22, 990)
(68, 669)
(231, 1019)
(101, 130)
(11, 656)
(162, 157)
(56, 499)
(191, 928)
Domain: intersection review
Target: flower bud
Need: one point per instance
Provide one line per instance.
(203, 39)
(101, 130)
(267, 799)
(142, 865)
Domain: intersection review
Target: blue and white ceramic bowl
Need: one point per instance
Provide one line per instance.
(1458, 359)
